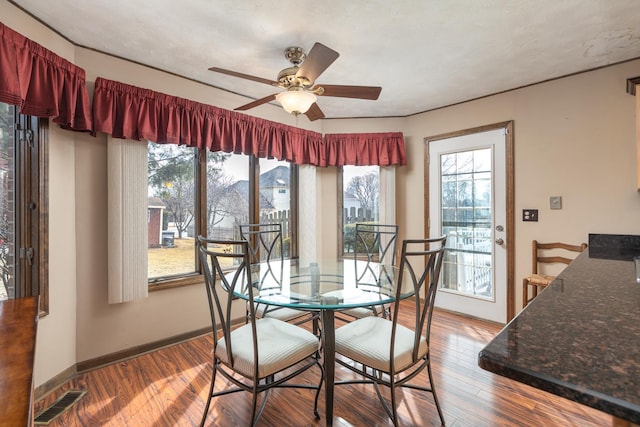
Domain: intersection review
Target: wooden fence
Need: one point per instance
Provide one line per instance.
(278, 217)
(353, 215)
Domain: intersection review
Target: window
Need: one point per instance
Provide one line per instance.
(23, 201)
(228, 201)
(186, 196)
(171, 210)
(360, 192)
(275, 200)
(466, 212)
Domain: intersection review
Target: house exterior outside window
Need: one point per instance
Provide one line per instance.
(188, 197)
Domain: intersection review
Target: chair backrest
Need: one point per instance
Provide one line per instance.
(549, 253)
(428, 253)
(265, 241)
(216, 256)
(377, 241)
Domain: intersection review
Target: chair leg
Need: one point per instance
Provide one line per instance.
(316, 325)
(315, 406)
(206, 408)
(525, 292)
(265, 397)
(383, 402)
(433, 391)
(254, 403)
(386, 312)
(394, 409)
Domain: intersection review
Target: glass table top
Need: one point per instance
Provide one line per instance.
(326, 284)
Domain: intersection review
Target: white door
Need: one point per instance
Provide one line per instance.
(467, 203)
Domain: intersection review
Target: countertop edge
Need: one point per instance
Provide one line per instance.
(591, 398)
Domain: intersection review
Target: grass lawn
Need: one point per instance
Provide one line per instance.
(175, 260)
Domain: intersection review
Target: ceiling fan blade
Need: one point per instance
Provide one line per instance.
(314, 113)
(318, 60)
(244, 76)
(361, 92)
(256, 102)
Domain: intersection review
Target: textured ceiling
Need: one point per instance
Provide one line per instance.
(424, 53)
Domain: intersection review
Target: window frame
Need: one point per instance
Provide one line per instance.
(200, 216)
(386, 201)
(31, 164)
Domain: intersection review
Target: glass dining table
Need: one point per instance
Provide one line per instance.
(327, 287)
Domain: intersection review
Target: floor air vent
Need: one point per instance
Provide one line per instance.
(58, 407)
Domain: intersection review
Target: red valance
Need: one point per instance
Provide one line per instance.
(365, 149)
(42, 83)
(125, 111)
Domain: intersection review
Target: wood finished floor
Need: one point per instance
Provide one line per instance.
(168, 387)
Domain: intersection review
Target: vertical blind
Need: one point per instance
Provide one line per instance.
(127, 175)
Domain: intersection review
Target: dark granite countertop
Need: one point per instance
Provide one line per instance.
(580, 338)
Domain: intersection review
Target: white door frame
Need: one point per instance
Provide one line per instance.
(510, 199)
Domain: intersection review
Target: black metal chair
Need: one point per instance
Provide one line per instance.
(261, 354)
(385, 352)
(375, 243)
(266, 245)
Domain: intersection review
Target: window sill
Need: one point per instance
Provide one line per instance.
(177, 282)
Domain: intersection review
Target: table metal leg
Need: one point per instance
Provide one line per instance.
(329, 361)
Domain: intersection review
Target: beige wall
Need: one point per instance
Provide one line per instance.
(56, 341)
(574, 137)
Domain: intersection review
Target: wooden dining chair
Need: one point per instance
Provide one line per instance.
(266, 245)
(263, 353)
(546, 253)
(385, 352)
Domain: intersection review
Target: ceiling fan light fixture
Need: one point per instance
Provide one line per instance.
(296, 101)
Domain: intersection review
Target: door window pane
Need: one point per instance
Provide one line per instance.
(466, 220)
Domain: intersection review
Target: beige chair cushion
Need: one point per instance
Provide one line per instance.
(280, 313)
(280, 345)
(358, 312)
(367, 341)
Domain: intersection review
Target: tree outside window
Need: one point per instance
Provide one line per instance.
(360, 201)
(180, 204)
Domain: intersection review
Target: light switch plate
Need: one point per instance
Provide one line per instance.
(555, 202)
(530, 215)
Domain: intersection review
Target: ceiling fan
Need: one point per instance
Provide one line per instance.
(301, 94)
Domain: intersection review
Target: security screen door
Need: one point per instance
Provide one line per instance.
(467, 203)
